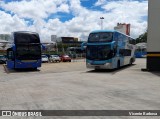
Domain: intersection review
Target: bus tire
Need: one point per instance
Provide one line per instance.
(118, 64)
(131, 61)
(34, 69)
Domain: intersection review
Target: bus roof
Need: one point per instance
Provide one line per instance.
(96, 31)
(28, 32)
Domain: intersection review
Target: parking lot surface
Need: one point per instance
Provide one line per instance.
(71, 86)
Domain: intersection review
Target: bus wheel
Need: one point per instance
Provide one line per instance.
(118, 64)
(131, 61)
(34, 69)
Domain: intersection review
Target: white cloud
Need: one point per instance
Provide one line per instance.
(35, 8)
(100, 2)
(128, 12)
(83, 22)
(63, 8)
(10, 23)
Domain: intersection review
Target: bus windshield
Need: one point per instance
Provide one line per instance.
(28, 52)
(99, 52)
(100, 37)
(26, 38)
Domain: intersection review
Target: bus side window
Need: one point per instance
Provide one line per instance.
(125, 52)
(121, 52)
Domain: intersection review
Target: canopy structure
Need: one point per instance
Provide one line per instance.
(3, 41)
(141, 45)
(3, 44)
(49, 45)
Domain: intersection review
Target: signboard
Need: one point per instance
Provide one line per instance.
(69, 39)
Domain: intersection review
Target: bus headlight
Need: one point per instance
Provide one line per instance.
(107, 65)
(87, 63)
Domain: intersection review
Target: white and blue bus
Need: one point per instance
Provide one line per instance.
(141, 50)
(109, 49)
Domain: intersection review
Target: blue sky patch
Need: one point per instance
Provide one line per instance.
(61, 16)
(90, 4)
(29, 21)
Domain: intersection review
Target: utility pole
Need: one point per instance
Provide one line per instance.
(101, 18)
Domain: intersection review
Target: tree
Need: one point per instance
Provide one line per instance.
(142, 38)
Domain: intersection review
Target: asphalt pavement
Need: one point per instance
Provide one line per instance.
(71, 86)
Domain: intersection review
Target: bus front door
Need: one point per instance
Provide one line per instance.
(10, 59)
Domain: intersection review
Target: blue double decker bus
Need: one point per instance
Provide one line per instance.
(25, 50)
(109, 49)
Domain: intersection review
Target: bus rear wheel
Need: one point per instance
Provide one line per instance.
(131, 61)
(34, 69)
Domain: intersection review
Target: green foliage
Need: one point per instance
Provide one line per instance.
(61, 48)
(142, 38)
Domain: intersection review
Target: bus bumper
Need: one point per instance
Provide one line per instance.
(104, 66)
(29, 64)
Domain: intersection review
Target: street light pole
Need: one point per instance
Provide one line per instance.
(101, 22)
(56, 48)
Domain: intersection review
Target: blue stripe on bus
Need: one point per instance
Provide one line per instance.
(101, 43)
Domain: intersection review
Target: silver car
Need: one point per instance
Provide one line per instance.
(54, 58)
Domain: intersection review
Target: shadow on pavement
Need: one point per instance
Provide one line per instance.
(27, 70)
(22, 70)
(156, 73)
(152, 72)
(113, 71)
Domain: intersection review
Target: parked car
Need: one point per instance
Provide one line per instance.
(45, 58)
(65, 58)
(47, 55)
(3, 59)
(54, 58)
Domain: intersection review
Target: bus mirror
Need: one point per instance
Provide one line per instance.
(43, 47)
(115, 50)
(83, 46)
(113, 53)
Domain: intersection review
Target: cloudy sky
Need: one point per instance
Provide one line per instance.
(71, 17)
